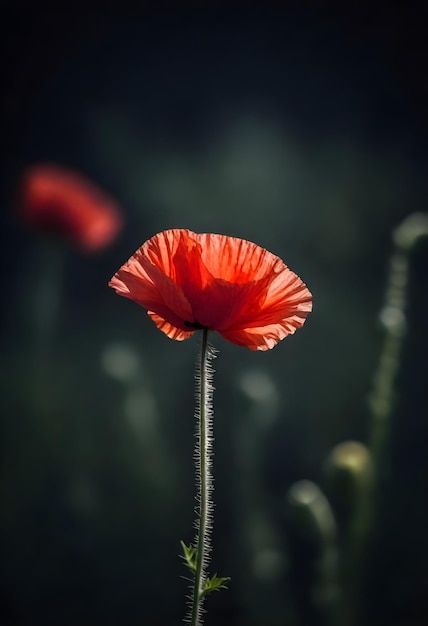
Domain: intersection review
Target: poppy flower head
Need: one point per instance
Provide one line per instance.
(64, 203)
(188, 281)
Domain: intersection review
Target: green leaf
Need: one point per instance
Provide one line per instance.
(215, 583)
(189, 556)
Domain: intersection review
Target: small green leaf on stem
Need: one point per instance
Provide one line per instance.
(215, 583)
(189, 556)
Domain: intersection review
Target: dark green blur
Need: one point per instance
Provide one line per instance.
(285, 128)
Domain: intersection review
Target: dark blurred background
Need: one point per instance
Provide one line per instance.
(304, 130)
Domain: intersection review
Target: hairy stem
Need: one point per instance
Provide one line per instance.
(203, 475)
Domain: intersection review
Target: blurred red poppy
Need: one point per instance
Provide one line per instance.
(188, 281)
(64, 203)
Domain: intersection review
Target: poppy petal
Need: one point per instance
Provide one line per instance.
(252, 287)
(223, 277)
(264, 337)
(145, 283)
(171, 331)
(287, 297)
(236, 260)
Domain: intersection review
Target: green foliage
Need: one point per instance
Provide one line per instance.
(189, 555)
(215, 583)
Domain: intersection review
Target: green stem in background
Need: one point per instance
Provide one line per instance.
(382, 400)
(196, 556)
(393, 318)
(356, 471)
(366, 505)
(349, 473)
(314, 525)
(45, 315)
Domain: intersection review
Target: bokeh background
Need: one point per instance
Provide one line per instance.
(304, 130)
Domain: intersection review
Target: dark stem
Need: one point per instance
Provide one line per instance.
(203, 475)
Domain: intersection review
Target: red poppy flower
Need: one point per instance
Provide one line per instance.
(188, 281)
(64, 203)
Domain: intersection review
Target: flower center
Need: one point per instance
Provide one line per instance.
(196, 325)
